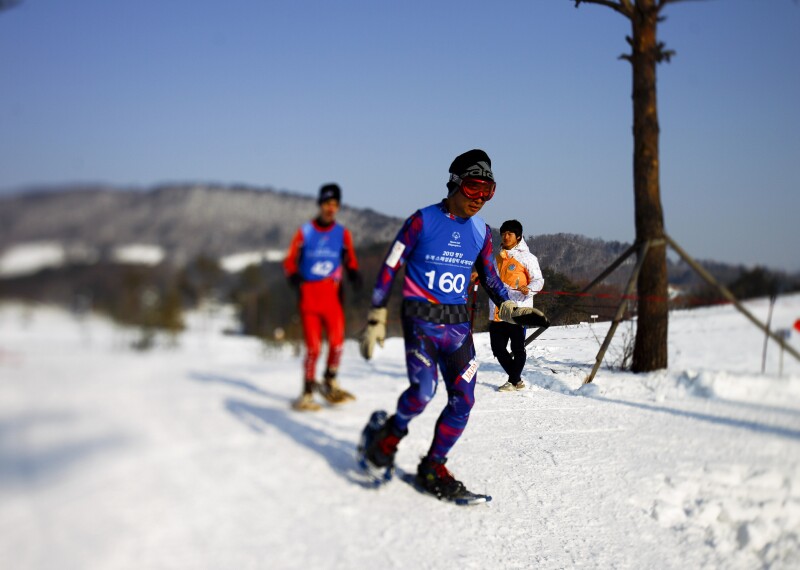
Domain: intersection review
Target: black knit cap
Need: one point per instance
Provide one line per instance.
(512, 226)
(474, 163)
(330, 192)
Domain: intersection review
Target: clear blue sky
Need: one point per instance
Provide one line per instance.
(380, 96)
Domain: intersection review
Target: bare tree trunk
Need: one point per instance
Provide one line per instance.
(650, 349)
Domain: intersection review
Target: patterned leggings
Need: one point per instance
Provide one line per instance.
(449, 348)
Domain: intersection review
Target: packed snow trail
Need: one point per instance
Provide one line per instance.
(190, 456)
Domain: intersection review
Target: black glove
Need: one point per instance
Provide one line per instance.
(354, 276)
(295, 280)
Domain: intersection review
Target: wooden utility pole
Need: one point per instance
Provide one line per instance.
(650, 348)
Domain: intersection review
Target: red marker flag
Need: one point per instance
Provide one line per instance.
(797, 325)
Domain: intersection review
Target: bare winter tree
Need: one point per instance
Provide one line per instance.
(650, 347)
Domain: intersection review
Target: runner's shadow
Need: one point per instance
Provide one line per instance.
(235, 382)
(340, 454)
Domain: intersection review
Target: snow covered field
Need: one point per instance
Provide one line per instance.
(190, 457)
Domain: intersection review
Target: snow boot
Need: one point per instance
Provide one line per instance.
(382, 447)
(520, 385)
(331, 391)
(435, 478)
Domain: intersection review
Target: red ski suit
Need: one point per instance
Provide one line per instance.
(320, 301)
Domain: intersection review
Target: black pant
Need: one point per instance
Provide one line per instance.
(512, 362)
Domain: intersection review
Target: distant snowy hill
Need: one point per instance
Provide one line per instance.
(42, 229)
(189, 456)
(184, 221)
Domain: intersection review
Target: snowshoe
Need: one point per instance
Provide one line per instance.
(306, 403)
(377, 447)
(333, 394)
(433, 478)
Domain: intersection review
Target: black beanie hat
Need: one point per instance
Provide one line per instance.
(474, 163)
(512, 226)
(330, 192)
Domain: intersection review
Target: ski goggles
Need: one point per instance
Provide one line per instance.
(475, 188)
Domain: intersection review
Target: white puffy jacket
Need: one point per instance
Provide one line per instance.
(517, 266)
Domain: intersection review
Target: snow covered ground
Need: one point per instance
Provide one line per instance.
(190, 457)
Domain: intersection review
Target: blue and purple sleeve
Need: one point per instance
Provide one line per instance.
(401, 248)
(487, 274)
